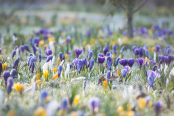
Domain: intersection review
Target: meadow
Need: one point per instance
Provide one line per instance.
(76, 67)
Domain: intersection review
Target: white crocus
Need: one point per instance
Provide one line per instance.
(171, 73)
(154, 56)
(51, 62)
(119, 41)
(45, 66)
(167, 82)
(2, 40)
(52, 108)
(67, 70)
(165, 69)
(14, 38)
(1, 99)
(17, 53)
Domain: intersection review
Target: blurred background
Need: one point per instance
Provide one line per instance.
(34, 14)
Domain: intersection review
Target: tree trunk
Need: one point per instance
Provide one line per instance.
(129, 25)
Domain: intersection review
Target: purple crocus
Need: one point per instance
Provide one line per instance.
(117, 61)
(136, 51)
(140, 62)
(122, 49)
(124, 72)
(130, 62)
(39, 56)
(167, 51)
(108, 75)
(109, 62)
(158, 48)
(13, 73)
(161, 59)
(50, 57)
(16, 62)
(32, 69)
(78, 52)
(114, 47)
(6, 74)
(61, 56)
(43, 95)
(141, 52)
(94, 103)
(59, 70)
(13, 53)
(64, 104)
(27, 47)
(48, 52)
(105, 50)
(0, 68)
(101, 58)
(147, 53)
(123, 62)
(9, 84)
(91, 64)
(22, 48)
(133, 48)
(157, 107)
(32, 60)
(34, 49)
(90, 54)
(80, 64)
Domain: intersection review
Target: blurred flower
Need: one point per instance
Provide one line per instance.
(158, 48)
(4, 66)
(114, 87)
(45, 73)
(117, 61)
(101, 58)
(90, 54)
(105, 84)
(141, 103)
(43, 95)
(13, 73)
(59, 70)
(50, 57)
(1, 99)
(124, 72)
(13, 53)
(140, 62)
(55, 76)
(76, 99)
(94, 104)
(39, 56)
(27, 47)
(37, 76)
(18, 87)
(61, 56)
(114, 47)
(130, 62)
(11, 113)
(118, 72)
(105, 50)
(9, 84)
(40, 111)
(34, 49)
(5, 51)
(123, 62)
(6, 75)
(64, 104)
(91, 64)
(16, 62)
(122, 49)
(41, 42)
(66, 56)
(78, 52)
(157, 107)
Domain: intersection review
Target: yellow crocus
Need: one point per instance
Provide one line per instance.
(5, 51)
(113, 43)
(54, 70)
(18, 87)
(66, 56)
(51, 39)
(105, 84)
(118, 72)
(141, 103)
(5, 65)
(38, 82)
(59, 61)
(55, 76)
(45, 73)
(120, 109)
(41, 42)
(0, 56)
(130, 113)
(150, 104)
(40, 111)
(76, 99)
(37, 76)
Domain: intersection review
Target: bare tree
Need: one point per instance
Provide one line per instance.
(130, 7)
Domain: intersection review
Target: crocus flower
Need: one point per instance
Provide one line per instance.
(114, 47)
(43, 95)
(9, 84)
(39, 56)
(133, 48)
(167, 51)
(78, 52)
(61, 56)
(13, 53)
(6, 75)
(122, 49)
(64, 104)
(50, 57)
(140, 62)
(123, 62)
(59, 70)
(48, 52)
(27, 47)
(79, 65)
(157, 107)
(161, 59)
(147, 53)
(34, 49)
(141, 51)
(22, 48)
(158, 48)
(94, 103)
(1, 98)
(101, 58)
(109, 62)
(15, 64)
(13, 73)
(130, 62)
(114, 87)
(117, 61)
(90, 54)
(151, 81)
(108, 75)
(136, 51)
(108, 54)
(0, 68)
(91, 64)
(124, 72)
(105, 50)
(32, 69)
(32, 60)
